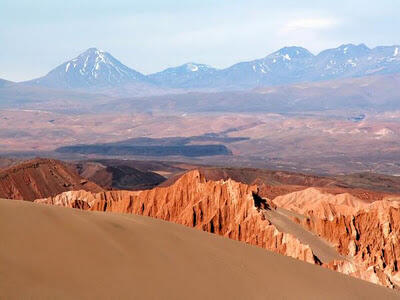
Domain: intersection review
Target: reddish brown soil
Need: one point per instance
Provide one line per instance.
(39, 178)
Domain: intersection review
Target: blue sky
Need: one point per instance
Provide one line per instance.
(150, 35)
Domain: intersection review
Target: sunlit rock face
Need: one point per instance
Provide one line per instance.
(364, 235)
(227, 208)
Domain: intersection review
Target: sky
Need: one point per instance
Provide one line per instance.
(151, 35)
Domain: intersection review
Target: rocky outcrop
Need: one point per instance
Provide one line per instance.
(73, 199)
(41, 178)
(224, 207)
(368, 187)
(370, 238)
(365, 235)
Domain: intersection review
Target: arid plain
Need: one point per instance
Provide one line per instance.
(329, 142)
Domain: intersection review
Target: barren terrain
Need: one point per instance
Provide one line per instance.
(345, 223)
(319, 142)
(136, 252)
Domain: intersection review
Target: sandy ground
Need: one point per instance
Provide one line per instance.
(59, 253)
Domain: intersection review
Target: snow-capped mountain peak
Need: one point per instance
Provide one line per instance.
(182, 75)
(89, 61)
(92, 68)
(289, 53)
(98, 68)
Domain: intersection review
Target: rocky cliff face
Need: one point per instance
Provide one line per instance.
(364, 235)
(227, 208)
(40, 178)
(369, 237)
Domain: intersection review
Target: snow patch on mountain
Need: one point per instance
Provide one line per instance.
(97, 68)
(92, 68)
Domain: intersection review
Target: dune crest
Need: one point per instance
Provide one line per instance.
(89, 255)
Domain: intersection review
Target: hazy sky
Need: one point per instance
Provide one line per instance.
(150, 35)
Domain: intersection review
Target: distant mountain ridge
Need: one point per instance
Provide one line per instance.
(96, 68)
(295, 64)
(184, 76)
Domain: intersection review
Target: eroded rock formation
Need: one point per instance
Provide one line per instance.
(227, 208)
(370, 238)
(365, 235)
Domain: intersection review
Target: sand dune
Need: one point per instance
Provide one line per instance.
(51, 252)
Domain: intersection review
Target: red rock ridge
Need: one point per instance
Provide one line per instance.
(363, 233)
(227, 208)
(370, 238)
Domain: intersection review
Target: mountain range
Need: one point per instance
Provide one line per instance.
(98, 69)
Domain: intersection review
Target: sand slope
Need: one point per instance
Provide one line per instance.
(54, 253)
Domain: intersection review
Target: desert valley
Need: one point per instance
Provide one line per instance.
(275, 177)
